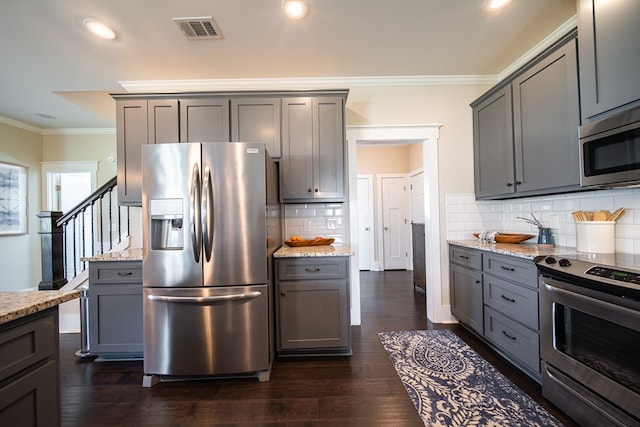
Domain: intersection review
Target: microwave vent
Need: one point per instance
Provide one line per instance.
(202, 28)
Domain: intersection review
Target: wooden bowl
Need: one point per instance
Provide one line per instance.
(509, 237)
(314, 242)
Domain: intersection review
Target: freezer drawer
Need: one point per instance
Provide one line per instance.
(206, 331)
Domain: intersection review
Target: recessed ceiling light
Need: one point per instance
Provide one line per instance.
(496, 4)
(295, 9)
(99, 29)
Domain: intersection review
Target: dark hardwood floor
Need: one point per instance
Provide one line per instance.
(361, 390)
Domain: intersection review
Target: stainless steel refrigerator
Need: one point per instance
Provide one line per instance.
(211, 222)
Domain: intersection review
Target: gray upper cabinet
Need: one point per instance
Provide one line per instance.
(546, 118)
(609, 43)
(312, 168)
(493, 145)
(139, 122)
(204, 120)
(525, 130)
(257, 120)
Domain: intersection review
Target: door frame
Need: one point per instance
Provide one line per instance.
(437, 292)
(90, 167)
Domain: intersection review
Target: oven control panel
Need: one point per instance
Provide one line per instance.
(610, 273)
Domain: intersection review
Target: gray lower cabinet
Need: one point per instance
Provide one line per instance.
(312, 306)
(29, 378)
(312, 167)
(465, 279)
(525, 129)
(496, 296)
(115, 309)
(609, 56)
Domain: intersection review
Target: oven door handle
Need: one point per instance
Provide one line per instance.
(589, 300)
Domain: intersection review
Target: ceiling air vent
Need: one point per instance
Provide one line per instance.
(202, 28)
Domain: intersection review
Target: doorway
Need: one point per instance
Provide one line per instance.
(437, 295)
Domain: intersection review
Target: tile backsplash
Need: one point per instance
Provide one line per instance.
(466, 216)
(315, 219)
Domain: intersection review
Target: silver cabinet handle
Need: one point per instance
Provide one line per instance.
(507, 298)
(509, 336)
(205, 300)
(124, 273)
(507, 268)
(311, 270)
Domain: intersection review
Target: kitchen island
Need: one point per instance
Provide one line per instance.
(29, 368)
(313, 303)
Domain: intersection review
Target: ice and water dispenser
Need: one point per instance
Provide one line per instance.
(167, 224)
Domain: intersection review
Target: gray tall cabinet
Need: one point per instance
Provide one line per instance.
(609, 56)
(525, 129)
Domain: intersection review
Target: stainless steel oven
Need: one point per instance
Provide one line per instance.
(590, 338)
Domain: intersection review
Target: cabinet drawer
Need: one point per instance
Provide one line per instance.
(507, 267)
(513, 300)
(115, 272)
(466, 257)
(515, 339)
(312, 268)
(29, 340)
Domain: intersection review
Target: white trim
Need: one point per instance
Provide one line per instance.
(80, 131)
(20, 125)
(68, 167)
(556, 35)
(302, 83)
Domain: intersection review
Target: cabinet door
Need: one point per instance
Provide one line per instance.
(609, 55)
(296, 166)
(257, 120)
(131, 133)
(545, 119)
(204, 120)
(115, 319)
(328, 149)
(493, 146)
(466, 296)
(313, 315)
(163, 121)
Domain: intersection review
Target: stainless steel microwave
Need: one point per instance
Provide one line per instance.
(610, 150)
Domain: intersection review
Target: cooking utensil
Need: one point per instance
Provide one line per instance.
(615, 215)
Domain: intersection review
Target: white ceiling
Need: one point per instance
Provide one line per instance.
(51, 65)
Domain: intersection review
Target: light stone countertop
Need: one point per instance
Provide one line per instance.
(312, 251)
(521, 250)
(134, 254)
(18, 304)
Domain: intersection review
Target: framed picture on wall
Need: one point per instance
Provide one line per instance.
(13, 199)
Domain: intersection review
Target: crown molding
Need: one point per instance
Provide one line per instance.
(301, 83)
(20, 125)
(80, 131)
(544, 44)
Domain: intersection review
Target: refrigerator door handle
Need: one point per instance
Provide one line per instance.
(206, 300)
(207, 213)
(194, 199)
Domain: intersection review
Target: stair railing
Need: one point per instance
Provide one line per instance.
(95, 226)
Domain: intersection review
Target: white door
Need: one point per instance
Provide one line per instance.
(417, 197)
(365, 221)
(394, 222)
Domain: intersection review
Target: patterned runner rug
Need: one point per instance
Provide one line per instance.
(452, 385)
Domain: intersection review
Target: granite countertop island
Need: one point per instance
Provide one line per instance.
(134, 254)
(15, 305)
(312, 251)
(521, 250)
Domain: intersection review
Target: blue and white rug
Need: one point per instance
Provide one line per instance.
(452, 385)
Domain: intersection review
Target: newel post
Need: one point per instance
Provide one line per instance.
(52, 248)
